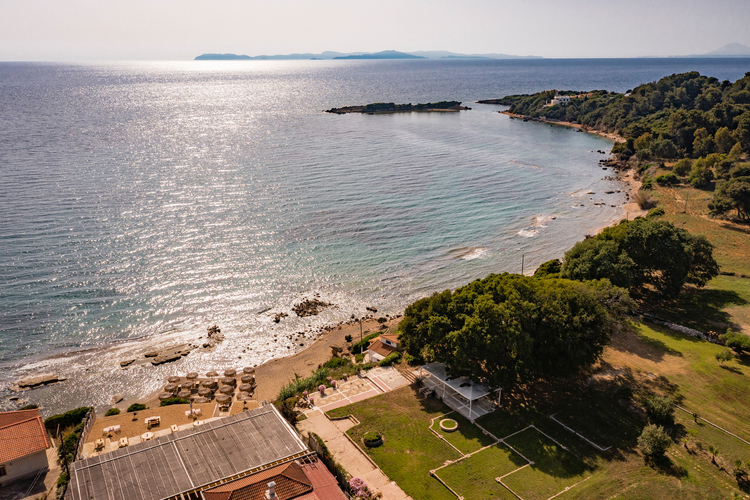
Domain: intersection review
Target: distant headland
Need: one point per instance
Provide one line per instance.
(389, 107)
(385, 54)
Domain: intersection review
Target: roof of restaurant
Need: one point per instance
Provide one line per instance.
(462, 385)
(307, 481)
(188, 460)
(22, 433)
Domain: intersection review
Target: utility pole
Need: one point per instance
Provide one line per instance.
(523, 257)
(687, 196)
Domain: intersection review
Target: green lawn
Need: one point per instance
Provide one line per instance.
(468, 438)
(410, 449)
(553, 469)
(474, 477)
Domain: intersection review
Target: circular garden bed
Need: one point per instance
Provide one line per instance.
(372, 439)
(448, 425)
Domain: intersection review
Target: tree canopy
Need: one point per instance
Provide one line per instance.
(681, 115)
(508, 328)
(643, 252)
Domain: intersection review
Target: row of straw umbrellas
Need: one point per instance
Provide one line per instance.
(220, 388)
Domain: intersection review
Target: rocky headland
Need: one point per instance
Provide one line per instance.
(390, 107)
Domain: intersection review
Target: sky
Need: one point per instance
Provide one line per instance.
(73, 30)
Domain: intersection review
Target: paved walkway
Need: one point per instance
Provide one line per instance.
(355, 462)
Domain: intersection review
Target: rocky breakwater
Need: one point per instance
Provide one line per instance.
(310, 307)
(390, 107)
(36, 381)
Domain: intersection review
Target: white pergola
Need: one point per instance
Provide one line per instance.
(470, 399)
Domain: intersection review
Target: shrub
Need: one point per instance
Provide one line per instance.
(348, 338)
(336, 363)
(359, 488)
(112, 411)
(364, 343)
(359, 357)
(736, 341)
(660, 409)
(667, 179)
(648, 183)
(653, 441)
(372, 436)
(31, 406)
(644, 199)
(136, 407)
(310, 383)
(682, 167)
(63, 420)
(655, 212)
(724, 356)
(393, 357)
(174, 401)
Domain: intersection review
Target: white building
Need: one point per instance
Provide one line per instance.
(382, 346)
(23, 445)
(562, 100)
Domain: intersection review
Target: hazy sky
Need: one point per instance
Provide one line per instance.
(182, 29)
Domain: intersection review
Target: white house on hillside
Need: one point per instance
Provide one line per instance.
(382, 346)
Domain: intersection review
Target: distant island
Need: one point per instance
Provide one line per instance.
(385, 54)
(389, 107)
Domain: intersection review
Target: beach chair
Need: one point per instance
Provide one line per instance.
(174, 428)
(123, 442)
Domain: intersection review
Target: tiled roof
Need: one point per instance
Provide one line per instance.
(291, 482)
(380, 348)
(309, 481)
(390, 336)
(21, 433)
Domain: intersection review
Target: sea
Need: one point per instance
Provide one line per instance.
(142, 202)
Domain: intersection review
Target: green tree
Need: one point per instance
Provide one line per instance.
(653, 441)
(723, 140)
(703, 144)
(660, 409)
(643, 252)
(136, 407)
(550, 269)
(724, 355)
(733, 194)
(701, 174)
(506, 329)
(112, 411)
(682, 167)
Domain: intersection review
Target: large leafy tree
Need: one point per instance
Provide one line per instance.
(733, 194)
(643, 252)
(507, 328)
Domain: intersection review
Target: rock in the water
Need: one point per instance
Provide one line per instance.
(309, 307)
(126, 362)
(371, 309)
(166, 358)
(46, 378)
(151, 354)
(116, 399)
(277, 317)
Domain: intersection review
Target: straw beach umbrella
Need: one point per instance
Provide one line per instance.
(248, 370)
(212, 374)
(183, 394)
(200, 400)
(246, 387)
(227, 381)
(247, 379)
(226, 389)
(223, 398)
(192, 376)
(209, 383)
(230, 372)
(170, 388)
(243, 396)
(165, 395)
(173, 379)
(204, 392)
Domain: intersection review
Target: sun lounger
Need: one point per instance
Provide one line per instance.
(123, 442)
(174, 428)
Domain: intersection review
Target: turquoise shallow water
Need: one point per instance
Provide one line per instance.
(148, 201)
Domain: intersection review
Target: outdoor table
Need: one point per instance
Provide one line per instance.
(146, 436)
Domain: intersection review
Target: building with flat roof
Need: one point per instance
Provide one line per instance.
(183, 464)
(23, 445)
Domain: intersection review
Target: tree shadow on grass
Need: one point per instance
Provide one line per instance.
(630, 342)
(665, 465)
(698, 308)
(732, 369)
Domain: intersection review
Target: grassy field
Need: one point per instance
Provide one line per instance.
(725, 302)
(468, 438)
(474, 477)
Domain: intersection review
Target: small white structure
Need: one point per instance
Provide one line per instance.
(466, 397)
(562, 100)
(23, 445)
(382, 346)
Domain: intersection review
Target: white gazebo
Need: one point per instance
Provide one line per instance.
(468, 398)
